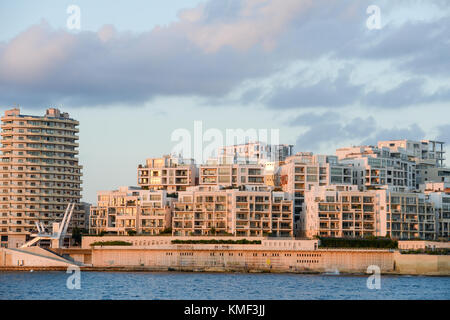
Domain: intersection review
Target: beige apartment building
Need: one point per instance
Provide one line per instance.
(439, 195)
(248, 211)
(131, 209)
(406, 215)
(345, 211)
(341, 211)
(375, 167)
(305, 170)
(272, 173)
(170, 173)
(231, 175)
(39, 173)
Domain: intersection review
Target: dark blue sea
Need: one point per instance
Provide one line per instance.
(227, 286)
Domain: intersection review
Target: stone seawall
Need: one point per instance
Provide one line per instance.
(422, 264)
(230, 258)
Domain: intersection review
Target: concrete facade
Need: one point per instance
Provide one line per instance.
(231, 174)
(39, 173)
(257, 151)
(304, 170)
(169, 173)
(249, 211)
(131, 209)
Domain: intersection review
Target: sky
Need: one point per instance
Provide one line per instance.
(317, 71)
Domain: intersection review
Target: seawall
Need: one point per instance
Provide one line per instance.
(242, 258)
(272, 255)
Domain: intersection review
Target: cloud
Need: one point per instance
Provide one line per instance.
(329, 129)
(408, 93)
(413, 132)
(106, 68)
(215, 48)
(241, 24)
(324, 93)
(444, 133)
(419, 47)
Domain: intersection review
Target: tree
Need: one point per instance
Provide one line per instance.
(166, 231)
(131, 232)
(76, 236)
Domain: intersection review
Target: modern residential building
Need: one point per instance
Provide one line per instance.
(374, 167)
(39, 173)
(131, 209)
(169, 173)
(359, 192)
(341, 211)
(256, 152)
(247, 211)
(305, 170)
(429, 152)
(429, 174)
(272, 173)
(231, 174)
(439, 195)
(406, 215)
(86, 207)
(345, 211)
(429, 156)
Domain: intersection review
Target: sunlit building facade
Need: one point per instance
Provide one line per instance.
(168, 173)
(130, 210)
(39, 173)
(249, 211)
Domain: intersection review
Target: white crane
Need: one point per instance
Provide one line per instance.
(59, 230)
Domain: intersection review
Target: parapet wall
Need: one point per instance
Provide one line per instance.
(155, 241)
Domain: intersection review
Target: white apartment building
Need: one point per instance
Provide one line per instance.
(39, 173)
(423, 152)
(131, 209)
(256, 152)
(169, 173)
(247, 211)
(375, 167)
(303, 171)
(429, 156)
(341, 211)
(432, 174)
(346, 211)
(439, 195)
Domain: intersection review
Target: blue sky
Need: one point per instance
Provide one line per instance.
(138, 70)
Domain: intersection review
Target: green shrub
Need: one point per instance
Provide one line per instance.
(111, 243)
(166, 231)
(371, 242)
(215, 241)
(443, 251)
(131, 232)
